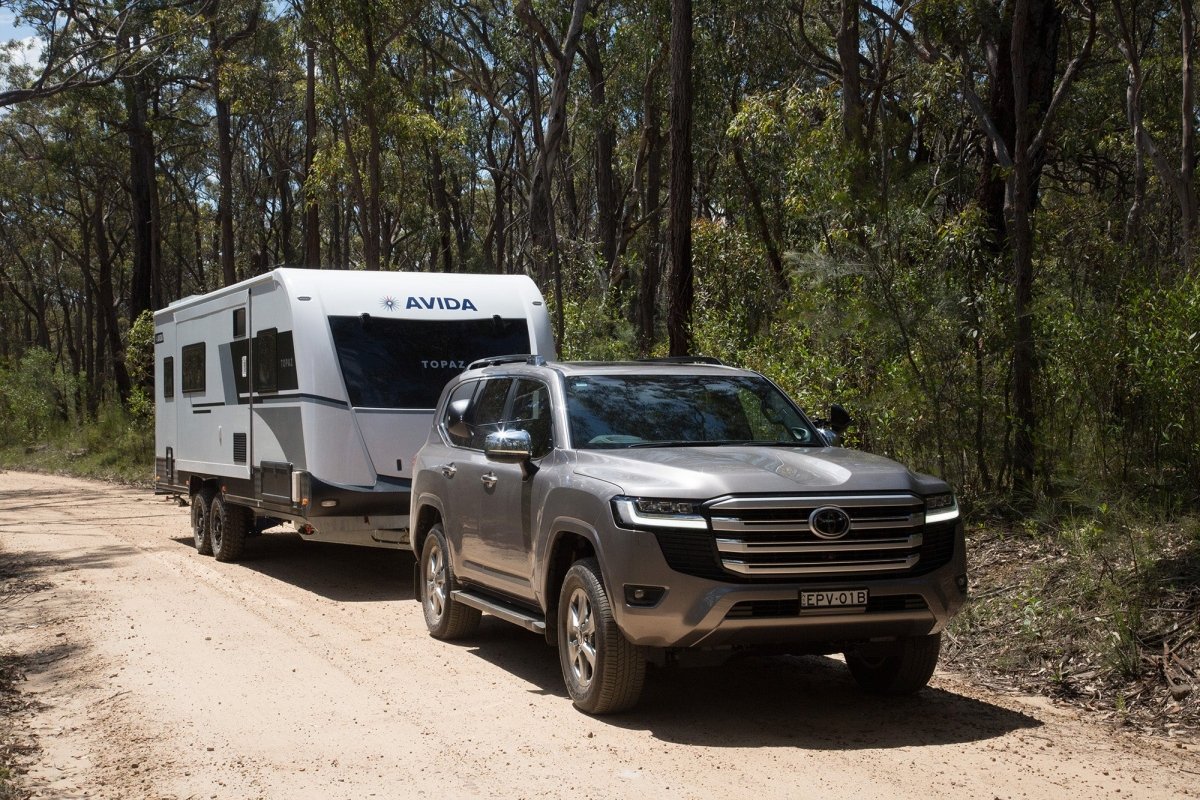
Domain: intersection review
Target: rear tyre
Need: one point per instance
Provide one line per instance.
(901, 667)
(445, 617)
(227, 524)
(201, 502)
(604, 672)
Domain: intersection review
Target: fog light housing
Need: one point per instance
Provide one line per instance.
(643, 596)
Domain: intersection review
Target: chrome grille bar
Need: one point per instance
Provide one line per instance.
(819, 546)
(890, 565)
(733, 524)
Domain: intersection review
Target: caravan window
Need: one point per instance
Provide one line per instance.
(404, 363)
(193, 367)
(168, 377)
(266, 361)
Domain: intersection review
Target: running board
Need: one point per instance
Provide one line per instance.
(508, 613)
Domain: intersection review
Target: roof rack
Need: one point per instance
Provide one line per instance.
(683, 360)
(492, 361)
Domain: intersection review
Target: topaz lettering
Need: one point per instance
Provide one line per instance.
(435, 364)
(441, 303)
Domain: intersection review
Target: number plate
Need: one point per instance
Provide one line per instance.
(834, 598)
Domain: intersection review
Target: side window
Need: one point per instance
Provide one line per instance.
(266, 361)
(487, 413)
(168, 377)
(193, 367)
(531, 412)
(239, 323)
(458, 406)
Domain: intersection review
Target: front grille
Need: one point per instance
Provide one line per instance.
(759, 539)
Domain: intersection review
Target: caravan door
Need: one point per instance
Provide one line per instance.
(213, 428)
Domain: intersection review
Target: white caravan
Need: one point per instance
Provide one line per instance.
(303, 395)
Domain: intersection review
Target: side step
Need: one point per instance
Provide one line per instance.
(517, 616)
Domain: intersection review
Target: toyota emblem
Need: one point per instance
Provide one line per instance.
(829, 522)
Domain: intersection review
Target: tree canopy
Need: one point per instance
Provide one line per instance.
(972, 222)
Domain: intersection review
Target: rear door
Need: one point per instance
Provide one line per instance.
(473, 476)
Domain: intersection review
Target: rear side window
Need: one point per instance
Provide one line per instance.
(457, 406)
(404, 363)
(487, 412)
(193, 367)
(168, 377)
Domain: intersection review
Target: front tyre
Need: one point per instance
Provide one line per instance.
(445, 617)
(227, 525)
(901, 667)
(201, 503)
(603, 670)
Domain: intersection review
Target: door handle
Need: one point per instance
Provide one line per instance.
(449, 470)
(489, 479)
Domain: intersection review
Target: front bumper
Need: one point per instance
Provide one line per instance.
(702, 612)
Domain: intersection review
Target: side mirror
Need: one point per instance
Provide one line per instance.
(456, 414)
(839, 419)
(508, 447)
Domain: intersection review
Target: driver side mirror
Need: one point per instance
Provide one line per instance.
(833, 428)
(839, 419)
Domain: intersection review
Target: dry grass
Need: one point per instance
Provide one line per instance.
(1101, 613)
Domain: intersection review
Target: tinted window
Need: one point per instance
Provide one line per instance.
(487, 412)
(266, 361)
(458, 404)
(168, 377)
(632, 411)
(402, 363)
(531, 412)
(193, 367)
(239, 323)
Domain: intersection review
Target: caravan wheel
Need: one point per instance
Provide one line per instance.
(227, 525)
(201, 502)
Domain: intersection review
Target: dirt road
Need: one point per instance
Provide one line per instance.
(305, 672)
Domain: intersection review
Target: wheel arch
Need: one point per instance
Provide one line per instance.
(428, 512)
(571, 541)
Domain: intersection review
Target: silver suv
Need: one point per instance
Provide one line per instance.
(637, 511)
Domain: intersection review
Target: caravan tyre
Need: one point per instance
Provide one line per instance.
(445, 617)
(227, 525)
(201, 503)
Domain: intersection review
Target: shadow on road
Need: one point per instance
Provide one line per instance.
(344, 573)
(769, 701)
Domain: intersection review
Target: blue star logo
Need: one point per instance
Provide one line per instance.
(388, 303)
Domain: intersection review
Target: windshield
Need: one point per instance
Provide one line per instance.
(404, 363)
(613, 411)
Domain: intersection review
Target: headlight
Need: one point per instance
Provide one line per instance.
(651, 512)
(940, 508)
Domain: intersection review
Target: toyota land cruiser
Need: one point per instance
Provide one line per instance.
(634, 511)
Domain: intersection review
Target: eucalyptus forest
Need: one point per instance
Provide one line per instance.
(973, 224)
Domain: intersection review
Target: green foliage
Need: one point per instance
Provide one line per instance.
(30, 396)
(139, 349)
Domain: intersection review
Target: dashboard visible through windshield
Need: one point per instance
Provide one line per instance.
(625, 411)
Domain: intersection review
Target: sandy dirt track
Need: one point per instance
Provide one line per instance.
(305, 671)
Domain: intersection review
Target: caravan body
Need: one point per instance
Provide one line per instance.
(303, 395)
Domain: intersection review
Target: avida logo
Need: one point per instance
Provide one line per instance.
(441, 303)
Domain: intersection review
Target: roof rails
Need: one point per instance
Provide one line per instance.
(683, 360)
(492, 361)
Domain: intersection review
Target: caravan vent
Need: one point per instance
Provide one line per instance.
(239, 448)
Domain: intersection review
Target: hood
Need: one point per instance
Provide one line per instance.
(705, 472)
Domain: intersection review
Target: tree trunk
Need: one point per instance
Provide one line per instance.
(681, 292)
(312, 210)
(141, 182)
